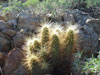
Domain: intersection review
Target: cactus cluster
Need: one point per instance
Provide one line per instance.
(48, 48)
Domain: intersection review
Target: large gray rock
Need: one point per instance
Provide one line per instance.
(18, 40)
(95, 24)
(4, 45)
(3, 25)
(12, 24)
(4, 36)
(27, 21)
(86, 40)
(79, 16)
(69, 18)
(9, 32)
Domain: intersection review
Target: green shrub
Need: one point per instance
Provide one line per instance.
(92, 65)
(53, 6)
(14, 5)
(89, 66)
(31, 3)
(93, 3)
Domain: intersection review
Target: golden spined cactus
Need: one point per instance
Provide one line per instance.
(45, 36)
(67, 52)
(55, 48)
(37, 45)
(43, 53)
(28, 48)
(40, 68)
(68, 43)
(40, 65)
(36, 69)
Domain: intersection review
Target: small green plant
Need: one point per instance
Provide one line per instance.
(14, 5)
(93, 3)
(92, 65)
(0, 6)
(30, 3)
(89, 66)
(53, 7)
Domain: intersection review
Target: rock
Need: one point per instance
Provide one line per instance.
(86, 40)
(95, 24)
(27, 21)
(3, 57)
(4, 36)
(3, 25)
(69, 18)
(95, 12)
(9, 32)
(19, 40)
(79, 16)
(4, 45)
(8, 15)
(12, 24)
(11, 15)
(21, 70)
(13, 60)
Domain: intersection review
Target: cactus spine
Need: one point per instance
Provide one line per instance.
(45, 36)
(37, 45)
(55, 47)
(69, 40)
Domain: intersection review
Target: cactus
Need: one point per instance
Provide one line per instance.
(39, 66)
(43, 53)
(45, 36)
(66, 60)
(37, 45)
(55, 47)
(36, 70)
(68, 43)
(49, 49)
